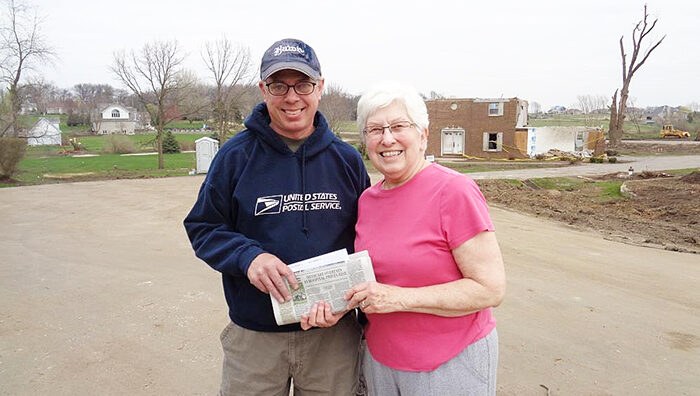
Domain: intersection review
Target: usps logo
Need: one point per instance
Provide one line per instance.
(268, 205)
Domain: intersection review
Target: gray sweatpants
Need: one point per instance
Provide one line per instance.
(472, 372)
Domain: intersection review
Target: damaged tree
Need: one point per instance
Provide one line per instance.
(617, 110)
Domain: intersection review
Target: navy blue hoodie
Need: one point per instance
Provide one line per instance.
(259, 196)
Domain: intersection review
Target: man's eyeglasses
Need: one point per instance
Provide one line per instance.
(396, 129)
(281, 89)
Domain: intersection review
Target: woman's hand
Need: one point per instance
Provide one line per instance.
(320, 315)
(373, 297)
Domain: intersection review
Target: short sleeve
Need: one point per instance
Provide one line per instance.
(463, 211)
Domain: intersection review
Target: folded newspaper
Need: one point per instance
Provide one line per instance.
(323, 278)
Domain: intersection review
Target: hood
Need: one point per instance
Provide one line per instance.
(258, 122)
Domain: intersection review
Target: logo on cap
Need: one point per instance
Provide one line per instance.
(287, 48)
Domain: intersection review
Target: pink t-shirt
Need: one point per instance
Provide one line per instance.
(410, 232)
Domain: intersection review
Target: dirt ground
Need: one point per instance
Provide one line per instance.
(102, 295)
(668, 146)
(660, 211)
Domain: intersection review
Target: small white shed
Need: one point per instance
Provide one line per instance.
(206, 149)
(45, 132)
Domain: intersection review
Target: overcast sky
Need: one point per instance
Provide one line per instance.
(543, 51)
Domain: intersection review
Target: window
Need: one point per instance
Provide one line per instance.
(496, 109)
(493, 141)
(578, 145)
(115, 113)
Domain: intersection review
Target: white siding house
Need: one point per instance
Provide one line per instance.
(45, 132)
(115, 119)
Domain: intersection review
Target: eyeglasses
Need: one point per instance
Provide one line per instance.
(396, 129)
(281, 89)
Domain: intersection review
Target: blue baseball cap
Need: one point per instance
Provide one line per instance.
(290, 54)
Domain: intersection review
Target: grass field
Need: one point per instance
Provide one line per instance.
(41, 170)
(632, 130)
(50, 164)
(98, 144)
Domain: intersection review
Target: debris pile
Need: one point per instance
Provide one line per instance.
(653, 175)
(556, 154)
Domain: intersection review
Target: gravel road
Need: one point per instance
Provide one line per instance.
(101, 294)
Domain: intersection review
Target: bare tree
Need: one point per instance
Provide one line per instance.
(436, 95)
(155, 76)
(584, 103)
(21, 47)
(230, 69)
(617, 110)
(634, 114)
(535, 108)
(336, 106)
(39, 92)
(598, 103)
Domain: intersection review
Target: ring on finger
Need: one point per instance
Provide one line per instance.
(363, 304)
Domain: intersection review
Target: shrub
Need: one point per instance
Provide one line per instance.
(120, 144)
(11, 152)
(612, 160)
(186, 146)
(75, 119)
(170, 144)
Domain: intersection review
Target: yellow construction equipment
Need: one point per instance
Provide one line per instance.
(669, 131)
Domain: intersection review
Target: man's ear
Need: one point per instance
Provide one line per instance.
(320, 85)
(263, 91)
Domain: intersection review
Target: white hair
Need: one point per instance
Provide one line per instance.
(384, 94)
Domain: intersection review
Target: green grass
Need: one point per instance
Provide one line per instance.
(513, 182)
(97, 144)
(558, 183)
(609, 190)
(473, 167)
(606, 190)
(48, 169)
(184, 125)
(682, 172)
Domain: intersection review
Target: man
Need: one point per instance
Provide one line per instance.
(282, 190)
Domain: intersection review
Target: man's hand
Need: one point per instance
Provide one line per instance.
(266, 272)
(320, 316)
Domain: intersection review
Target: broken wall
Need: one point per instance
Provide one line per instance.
(571, 139)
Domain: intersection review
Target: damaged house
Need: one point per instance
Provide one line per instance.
(497, 129)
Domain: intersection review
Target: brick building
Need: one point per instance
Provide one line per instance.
(497, 129)
(487, 128)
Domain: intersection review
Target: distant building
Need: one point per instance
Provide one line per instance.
(55, 108)
(46, 131)
(114, 119)
(556, 110)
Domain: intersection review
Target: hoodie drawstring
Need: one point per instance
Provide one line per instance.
(304, 229)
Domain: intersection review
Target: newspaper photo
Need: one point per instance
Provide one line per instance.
(323, 278)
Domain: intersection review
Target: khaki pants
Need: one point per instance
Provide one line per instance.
(321, 361)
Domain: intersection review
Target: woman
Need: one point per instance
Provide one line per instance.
(438, 266)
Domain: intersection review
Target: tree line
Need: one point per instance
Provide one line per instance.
(155, 81)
